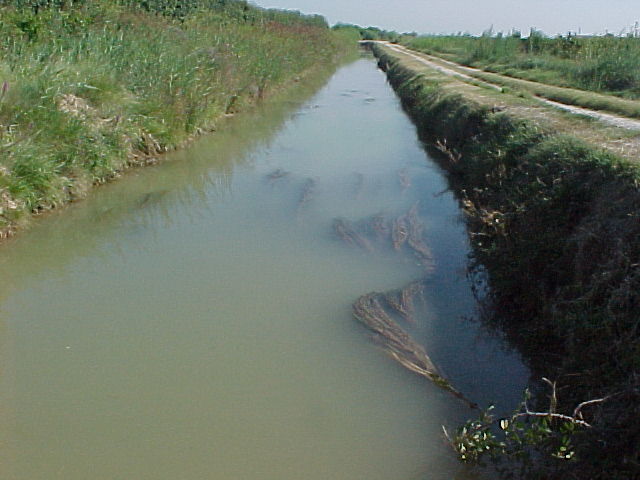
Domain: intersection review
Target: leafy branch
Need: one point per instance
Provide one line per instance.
(513, 443)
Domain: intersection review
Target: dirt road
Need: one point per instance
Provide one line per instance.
(468, 74)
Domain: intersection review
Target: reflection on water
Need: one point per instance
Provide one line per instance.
(193, 320)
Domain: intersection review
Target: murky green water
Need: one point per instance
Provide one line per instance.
(192, 321)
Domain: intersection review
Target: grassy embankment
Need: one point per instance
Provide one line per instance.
(555, 232)
(89, 88)
(605, 63)
(564, 69)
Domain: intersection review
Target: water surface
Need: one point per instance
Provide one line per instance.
(193, 321)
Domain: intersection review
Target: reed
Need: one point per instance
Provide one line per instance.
(371, 310)
(92, 87)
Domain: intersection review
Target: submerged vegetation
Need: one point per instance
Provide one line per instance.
(554, 227)
(90, 87)
(389, 316)
(609, 64)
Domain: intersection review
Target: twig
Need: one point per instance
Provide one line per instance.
(577, 417)
(577, 413)
(528, 413)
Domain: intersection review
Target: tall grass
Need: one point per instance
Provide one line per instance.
(87, 88)
(607, 64)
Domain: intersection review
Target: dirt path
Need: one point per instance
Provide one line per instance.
(452, 69)
(427, 60)
(609, 118)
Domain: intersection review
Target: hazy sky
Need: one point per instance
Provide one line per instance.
(474, 16)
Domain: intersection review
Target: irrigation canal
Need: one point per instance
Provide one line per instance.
(194, 319)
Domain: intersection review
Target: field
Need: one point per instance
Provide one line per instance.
(607, 64)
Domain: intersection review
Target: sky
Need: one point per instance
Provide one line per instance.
(474, 16)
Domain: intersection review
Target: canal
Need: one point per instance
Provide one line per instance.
(193, 320)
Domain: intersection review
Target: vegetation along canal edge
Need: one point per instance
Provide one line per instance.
(553, 223)
(91, 89)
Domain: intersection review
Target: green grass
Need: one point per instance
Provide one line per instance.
(92, 87)
(606, 64)
(568, 96)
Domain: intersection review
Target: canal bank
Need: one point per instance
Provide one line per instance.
(90, 89)
(194, 319)
(553, 223)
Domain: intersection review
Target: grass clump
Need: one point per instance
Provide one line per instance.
(554, 227)
(90, 87)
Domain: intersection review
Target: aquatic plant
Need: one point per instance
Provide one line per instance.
(370, 310)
